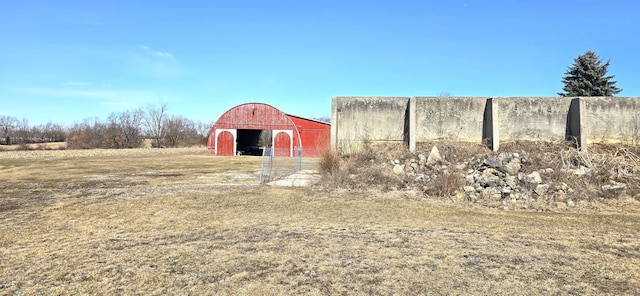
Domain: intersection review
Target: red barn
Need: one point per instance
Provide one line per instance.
(245, 128)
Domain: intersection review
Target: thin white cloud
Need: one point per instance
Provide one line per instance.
(157, 53)
(156, 63)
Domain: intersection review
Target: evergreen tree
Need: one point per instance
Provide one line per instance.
(588, 78)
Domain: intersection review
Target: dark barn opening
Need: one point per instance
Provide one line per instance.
(249, 142)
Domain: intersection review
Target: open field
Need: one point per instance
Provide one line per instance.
(165, 221)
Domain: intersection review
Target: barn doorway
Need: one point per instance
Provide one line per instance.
(283, 143)
(252, 141)
(225, 142)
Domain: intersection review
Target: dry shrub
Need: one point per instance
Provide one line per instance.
(329, 162)
(368, 168)
(445, 184)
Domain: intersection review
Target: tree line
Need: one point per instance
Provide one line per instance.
(127, 129)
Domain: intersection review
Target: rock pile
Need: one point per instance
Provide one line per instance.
(504, 179)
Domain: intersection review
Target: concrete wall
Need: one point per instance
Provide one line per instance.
(355, 120)
(483, 120)
(449, 118)
(612, 119)
(531, 118)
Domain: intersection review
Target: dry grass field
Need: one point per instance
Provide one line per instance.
(139, 222)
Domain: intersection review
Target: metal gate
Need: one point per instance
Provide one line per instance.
(273, 168)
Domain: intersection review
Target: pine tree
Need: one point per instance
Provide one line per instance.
(588, 78)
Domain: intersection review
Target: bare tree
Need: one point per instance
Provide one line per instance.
(49, 132)
(154, 123)
(91, 133)
(22, 132)
(7, 125)
(180, 131)
(125, 129)
(204, 128)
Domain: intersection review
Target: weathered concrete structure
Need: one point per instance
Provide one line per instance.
(375, 119)
(411, 120)
(612, 119)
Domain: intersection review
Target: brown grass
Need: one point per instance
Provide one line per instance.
(194, 224)
(35, 146)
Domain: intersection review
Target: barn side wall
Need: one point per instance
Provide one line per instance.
(314, 136)
(356, 120)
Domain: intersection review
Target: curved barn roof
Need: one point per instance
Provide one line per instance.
(254, 116)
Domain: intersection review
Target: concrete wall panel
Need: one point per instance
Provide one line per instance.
(374, 119)
(449, 118)
(612, 119)
(532, 118)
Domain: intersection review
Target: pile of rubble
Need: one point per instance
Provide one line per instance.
(506, 180)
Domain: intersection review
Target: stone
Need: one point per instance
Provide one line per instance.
(541, 189)
(494, 181)
(511, 181)
(422, 159)
(469, 189)
(469, 179)
(561, 205)
(434, 157)
(533, 178)
(398, 169)
(571, 204)
(414, 166)
(512, 168)
(581, 171)
(492, 192)
(506, 191)
(493, 161)
(615, 188)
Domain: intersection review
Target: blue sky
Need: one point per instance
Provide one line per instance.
(63, 61)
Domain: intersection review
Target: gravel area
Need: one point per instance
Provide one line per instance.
(53, 154)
